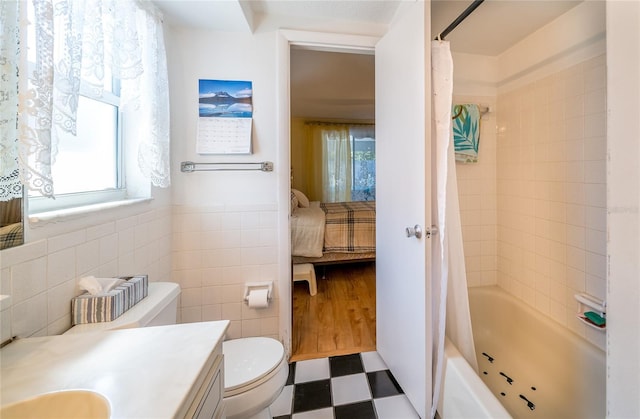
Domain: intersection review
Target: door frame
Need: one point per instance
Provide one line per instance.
(320, 41)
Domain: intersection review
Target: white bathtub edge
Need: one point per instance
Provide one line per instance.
(464, 394)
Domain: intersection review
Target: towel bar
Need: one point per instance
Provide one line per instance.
(189, 166)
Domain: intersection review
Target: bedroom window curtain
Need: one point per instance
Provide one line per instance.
(336, 163)
(76, 39)
(328, 162)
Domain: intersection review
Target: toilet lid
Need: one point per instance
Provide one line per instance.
(248, 359)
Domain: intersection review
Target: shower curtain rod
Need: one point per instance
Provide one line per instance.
(459, 19)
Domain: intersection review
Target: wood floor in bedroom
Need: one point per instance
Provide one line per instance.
(341, 318)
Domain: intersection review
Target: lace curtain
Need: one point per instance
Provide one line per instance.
(327, 162)
(76, 41)
(10, 185)
(336, 164)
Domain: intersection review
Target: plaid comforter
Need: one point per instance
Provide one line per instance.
(11, 235)
(350, 226)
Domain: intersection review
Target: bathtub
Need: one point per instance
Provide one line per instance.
(532, 365)
(464, 394)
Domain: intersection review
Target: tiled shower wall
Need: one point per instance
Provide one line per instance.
(551, 192)
(216, 251)
(41, 277)
(478, 203)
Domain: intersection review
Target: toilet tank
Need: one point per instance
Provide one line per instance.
(159, 307)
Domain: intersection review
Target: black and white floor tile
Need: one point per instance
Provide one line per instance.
(358, 386)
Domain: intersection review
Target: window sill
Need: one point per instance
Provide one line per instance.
(43, 218)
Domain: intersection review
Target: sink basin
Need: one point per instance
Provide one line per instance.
(68, 404)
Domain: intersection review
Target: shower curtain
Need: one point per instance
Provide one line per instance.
(450, 307)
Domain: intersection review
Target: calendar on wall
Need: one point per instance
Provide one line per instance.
(225, 112)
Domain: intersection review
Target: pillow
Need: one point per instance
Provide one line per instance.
(303, 201)
(294, 203)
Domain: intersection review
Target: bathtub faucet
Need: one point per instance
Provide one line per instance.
(530, 405)
(509, 379)
(489, 357)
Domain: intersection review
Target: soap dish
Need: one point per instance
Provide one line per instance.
(592, 311)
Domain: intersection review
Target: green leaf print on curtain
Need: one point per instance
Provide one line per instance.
(466, 132)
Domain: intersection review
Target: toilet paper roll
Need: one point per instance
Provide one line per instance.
(258, 298)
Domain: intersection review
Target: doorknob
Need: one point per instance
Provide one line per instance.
(414, 231)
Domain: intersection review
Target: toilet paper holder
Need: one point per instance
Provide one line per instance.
(249, 286)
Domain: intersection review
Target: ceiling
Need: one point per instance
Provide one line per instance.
(332, 85)
(495, 25)
(492, 28)
(318, 88)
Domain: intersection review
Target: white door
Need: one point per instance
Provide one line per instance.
(403, 109)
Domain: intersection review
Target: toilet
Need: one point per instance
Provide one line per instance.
(255, 369)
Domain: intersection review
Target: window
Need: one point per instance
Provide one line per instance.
(87, 64)
(88, 167)
(363, 155)
(338, 162)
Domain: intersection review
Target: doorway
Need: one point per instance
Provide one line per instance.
(333, 88)
(402, 147)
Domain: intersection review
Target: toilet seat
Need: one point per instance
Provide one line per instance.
(249, 362)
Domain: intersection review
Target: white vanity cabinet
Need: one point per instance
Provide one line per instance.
(208, 390)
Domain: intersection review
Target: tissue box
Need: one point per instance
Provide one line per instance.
(87, 308)
(134, 289)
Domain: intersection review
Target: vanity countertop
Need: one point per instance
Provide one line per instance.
(146, 372)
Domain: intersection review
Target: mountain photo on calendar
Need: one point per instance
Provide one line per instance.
(225, 98)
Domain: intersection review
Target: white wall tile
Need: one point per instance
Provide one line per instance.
(212, 276)
(596, 218)
(595, 171)
(26, 252)
(477, 190)
(251, 328)
(88, 256)
(108, 248)
(28, 279)
(188, 278)
(191, 297)
(565, 197)
(61, 266)
(595, 125)
(212, 312)
(58, 300)
(191, 314)
(595, 148)
(126, 241)
(231, 293)
(232, 311)
(29, 316)
(100, 230)
(233, 245)
(42, 275)
(66, 240)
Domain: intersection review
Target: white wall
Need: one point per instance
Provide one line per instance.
(623, 184)
(225, 223)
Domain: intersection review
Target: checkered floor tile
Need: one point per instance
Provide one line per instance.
(358, 386)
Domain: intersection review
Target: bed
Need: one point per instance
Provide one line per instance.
(11, 235)
(11, 229)
(336, 232)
